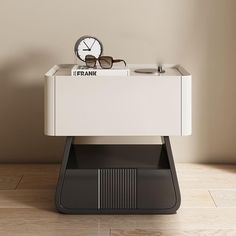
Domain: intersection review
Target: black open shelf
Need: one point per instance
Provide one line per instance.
(117, 156)
(117, 179)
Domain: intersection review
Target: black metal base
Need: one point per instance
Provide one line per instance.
(117, 179)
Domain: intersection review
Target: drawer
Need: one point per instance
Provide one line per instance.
(117, 106)
(118, 189)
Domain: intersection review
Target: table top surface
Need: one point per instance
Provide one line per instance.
(170, 70)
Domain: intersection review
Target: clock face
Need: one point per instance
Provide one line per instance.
(88, 45)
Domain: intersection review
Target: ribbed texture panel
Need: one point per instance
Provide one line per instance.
(118, 188)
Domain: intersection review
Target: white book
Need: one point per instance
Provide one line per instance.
(84, 72)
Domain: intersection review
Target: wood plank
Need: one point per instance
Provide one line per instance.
(224, 197)
(56, 232)
(37, 219)
(157, 232)
(38, 181)
(206, 176)
(9, 181)
(199, 168)
(185, 219)
(22, 169)
(27, 199)
(196, 198)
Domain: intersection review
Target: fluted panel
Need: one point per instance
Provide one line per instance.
(117, 188)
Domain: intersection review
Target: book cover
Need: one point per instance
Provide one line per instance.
(83, 72)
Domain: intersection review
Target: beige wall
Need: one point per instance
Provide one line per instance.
(199, 34)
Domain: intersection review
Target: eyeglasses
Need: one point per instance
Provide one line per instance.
(106, 62)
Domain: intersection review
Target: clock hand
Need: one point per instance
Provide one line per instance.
(86, 45)
(92, 44)
(86, 49)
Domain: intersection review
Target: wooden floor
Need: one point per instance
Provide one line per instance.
(208, 206)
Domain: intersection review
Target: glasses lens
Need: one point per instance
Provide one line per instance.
(105, 62)
(90, 61)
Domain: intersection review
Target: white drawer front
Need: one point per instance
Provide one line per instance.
(117, 106)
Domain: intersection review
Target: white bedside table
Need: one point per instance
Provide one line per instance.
(120, 178)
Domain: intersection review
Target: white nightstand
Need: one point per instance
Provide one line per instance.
(118, 178)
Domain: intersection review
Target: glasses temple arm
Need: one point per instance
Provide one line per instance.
(119, 60)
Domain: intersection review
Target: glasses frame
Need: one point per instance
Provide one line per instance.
(99, 61)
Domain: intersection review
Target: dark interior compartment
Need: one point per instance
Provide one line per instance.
(118, 156)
